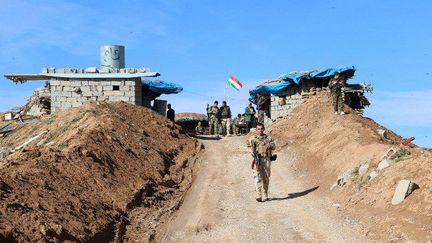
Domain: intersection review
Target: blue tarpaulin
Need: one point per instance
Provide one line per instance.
(272, 88)
(162, 87)
(296, 78)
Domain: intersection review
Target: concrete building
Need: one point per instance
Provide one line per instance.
(71, 87)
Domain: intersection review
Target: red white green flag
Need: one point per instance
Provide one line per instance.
(233, 82)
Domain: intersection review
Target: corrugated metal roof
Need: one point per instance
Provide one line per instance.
(102, 75)
(26, 77)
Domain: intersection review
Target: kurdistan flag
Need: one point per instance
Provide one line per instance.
(233, 82)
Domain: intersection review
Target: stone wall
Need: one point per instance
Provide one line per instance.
(284, 103)
(70, 93)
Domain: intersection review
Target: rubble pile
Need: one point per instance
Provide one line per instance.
(39, 103)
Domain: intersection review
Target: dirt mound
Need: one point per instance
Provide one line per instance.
(189, 115)
(330, 145)
(89, 173)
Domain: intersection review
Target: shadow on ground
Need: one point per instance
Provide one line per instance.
(295, 194)
(207, 137)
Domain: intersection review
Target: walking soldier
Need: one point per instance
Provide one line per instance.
(262, 148)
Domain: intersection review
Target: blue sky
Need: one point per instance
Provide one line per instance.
(199, 43)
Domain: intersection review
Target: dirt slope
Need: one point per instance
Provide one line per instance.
(329, 145)
(85, 178)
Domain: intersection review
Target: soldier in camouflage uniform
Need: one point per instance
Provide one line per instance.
(225, 113)
(261, 102)
(263, 145)
(213, 113)
(199, 130)
(336, 86)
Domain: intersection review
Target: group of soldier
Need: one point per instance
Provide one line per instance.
(220, 118)
(262, 145)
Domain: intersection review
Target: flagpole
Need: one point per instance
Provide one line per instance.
(225, 93)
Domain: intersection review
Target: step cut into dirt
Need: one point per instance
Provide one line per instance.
(329, 145)
(90, 170)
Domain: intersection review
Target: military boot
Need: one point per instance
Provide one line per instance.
(259, 196)
(265, 197)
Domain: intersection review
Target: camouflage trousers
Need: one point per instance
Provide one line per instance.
(337, 101)
(226, 126)
(213, 125)
(261, 114)
(262, 178)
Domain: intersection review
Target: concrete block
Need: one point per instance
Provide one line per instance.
(129, 93)
(143, 70)
(123, 98)
(126, 88)
(96, 93)
(85, 88)
(54, 82)
(107, 88)
(108, 93)
(77, 104)
(384, 164)
(119, 93)
(44, 70)
(68, 88)
(87, 93)
(51, 70)
(66, 105)
(56, 93)
(372, 175)
(118, 83)
(84, 83)
(105, 70)
(55, 104)
(66, 93)
(114, 98)
(91, 70)
(363, 169)
(61, 99)
(129, 83)
(403, 189)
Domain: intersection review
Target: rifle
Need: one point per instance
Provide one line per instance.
(257, 158)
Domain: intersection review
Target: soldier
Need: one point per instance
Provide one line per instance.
(213, 113)
(170, 113)
(262, 147)
(261, 100)
(236, 122)
(249, 116)
(225, 113)
(199, 130)
(336, 86)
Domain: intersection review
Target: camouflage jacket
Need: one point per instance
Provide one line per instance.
(264, 145)
(199, 130)
(213, 112)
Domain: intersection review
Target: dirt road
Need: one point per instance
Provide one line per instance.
(221, 206)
